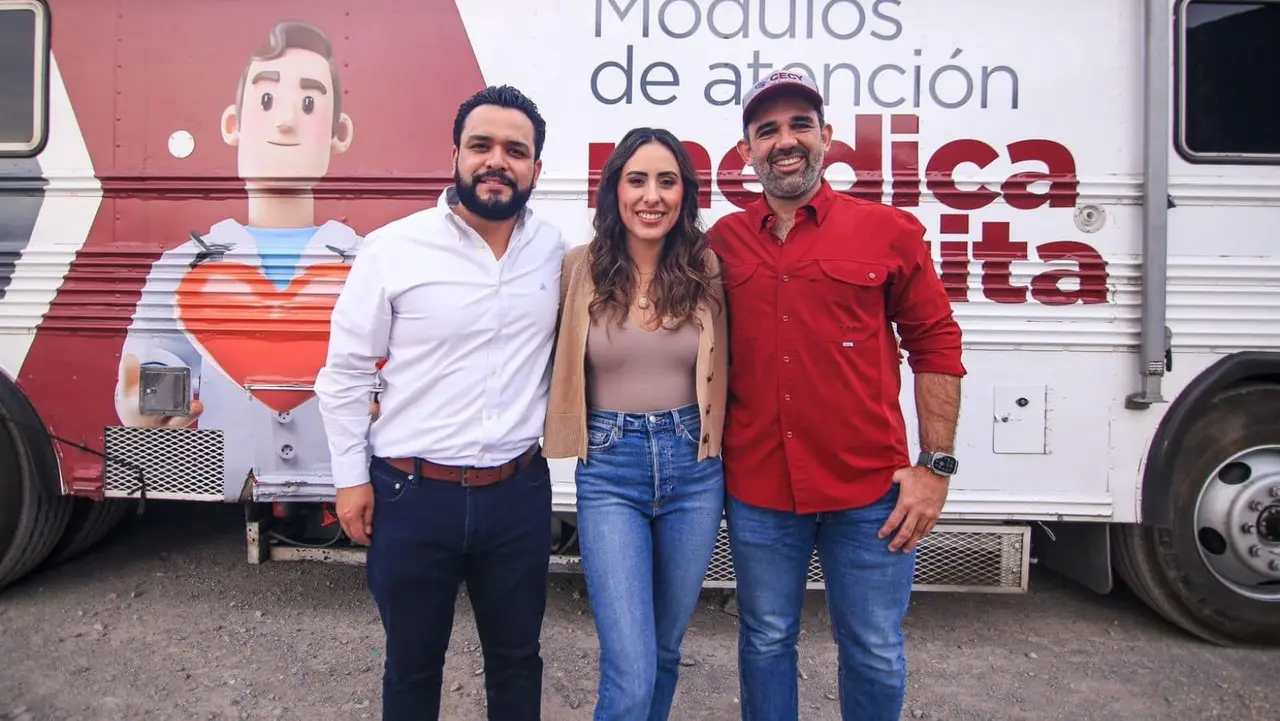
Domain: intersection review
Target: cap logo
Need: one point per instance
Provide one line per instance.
(779, 78)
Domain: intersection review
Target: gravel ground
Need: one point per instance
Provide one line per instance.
(169, 621)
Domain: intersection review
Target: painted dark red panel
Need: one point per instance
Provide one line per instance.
(137, 70)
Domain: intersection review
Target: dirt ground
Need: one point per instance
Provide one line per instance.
(169, 621)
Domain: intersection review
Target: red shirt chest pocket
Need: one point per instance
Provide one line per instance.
(841, 300)
(749, 296)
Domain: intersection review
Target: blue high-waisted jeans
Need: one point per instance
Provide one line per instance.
(648, 515)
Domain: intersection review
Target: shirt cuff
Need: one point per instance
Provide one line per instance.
(944, 362)
(350, 470)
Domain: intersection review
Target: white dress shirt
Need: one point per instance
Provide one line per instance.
(467, 337)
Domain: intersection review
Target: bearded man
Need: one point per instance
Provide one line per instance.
(815, 445)
(449, 484)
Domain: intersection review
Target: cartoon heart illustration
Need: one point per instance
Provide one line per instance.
(260, 334)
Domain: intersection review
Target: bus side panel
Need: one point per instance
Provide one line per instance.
(151, 94)
(989, 151)
(1025, 170)
(61, 386)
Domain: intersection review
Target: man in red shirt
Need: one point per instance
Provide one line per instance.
(815, 444)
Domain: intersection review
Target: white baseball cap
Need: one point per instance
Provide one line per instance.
(778, 83)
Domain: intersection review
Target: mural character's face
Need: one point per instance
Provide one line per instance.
(284, 131)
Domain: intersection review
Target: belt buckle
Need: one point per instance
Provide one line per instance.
(462, 478)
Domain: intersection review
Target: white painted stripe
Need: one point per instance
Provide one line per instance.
(60, 230)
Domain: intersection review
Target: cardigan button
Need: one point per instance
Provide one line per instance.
(706, 438)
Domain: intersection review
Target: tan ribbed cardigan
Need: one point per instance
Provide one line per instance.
(565, 434)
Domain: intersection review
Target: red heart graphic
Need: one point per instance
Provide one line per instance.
(259, 334)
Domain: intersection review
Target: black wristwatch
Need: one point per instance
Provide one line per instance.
(944, 464)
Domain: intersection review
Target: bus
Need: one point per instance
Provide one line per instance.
(183, 184)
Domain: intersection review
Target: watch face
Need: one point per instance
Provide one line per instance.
(945, 465)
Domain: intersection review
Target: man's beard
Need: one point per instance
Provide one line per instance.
(494, 209)
(792, 186)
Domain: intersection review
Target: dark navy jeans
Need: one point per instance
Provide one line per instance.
(429, 537)
(648, 515)
(868, 589)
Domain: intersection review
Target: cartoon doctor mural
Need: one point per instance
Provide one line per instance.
(246, 307)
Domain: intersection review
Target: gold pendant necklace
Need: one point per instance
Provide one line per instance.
(642, 302)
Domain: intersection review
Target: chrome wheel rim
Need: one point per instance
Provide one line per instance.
(1237, 517)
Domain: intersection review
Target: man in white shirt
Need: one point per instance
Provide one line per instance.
(449, 485)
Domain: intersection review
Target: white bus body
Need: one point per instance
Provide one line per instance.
(1121, 407)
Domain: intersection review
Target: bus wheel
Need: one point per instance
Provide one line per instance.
(31, 517)
(1216, 571)
(90, 522)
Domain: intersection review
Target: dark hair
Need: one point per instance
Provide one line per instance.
(682, 278)
(507, 97)
(303, 36)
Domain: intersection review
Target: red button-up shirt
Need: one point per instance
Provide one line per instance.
(814, 421)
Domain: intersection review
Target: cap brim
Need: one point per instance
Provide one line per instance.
(777, 91)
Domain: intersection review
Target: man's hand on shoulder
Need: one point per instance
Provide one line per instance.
(921, 495)
(355, 512)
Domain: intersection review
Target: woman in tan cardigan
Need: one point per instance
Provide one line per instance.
(638, 395)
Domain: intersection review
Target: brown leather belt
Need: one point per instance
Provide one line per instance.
(466, 475)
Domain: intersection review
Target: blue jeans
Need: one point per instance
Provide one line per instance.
(868, 588)
(429, 537)
(648, 516)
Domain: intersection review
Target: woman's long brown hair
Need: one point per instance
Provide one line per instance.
(682, 279)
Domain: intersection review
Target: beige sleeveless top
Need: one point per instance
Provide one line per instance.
(633, 370)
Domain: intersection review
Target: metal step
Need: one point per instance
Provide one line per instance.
(981, 558)
(955, 558)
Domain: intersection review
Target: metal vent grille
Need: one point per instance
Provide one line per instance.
(987, 558)
(951, 558)
(178, 463)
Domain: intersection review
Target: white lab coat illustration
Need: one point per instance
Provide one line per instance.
(254, 433)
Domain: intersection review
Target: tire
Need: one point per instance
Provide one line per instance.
(31, 518)
(90, 522)
(1232, 454)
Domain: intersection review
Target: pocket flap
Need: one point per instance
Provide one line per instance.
(855, 272)
(736, 274)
